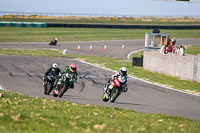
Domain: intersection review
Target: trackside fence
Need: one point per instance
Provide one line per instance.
(52, 25)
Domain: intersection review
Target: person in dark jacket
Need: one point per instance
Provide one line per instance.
(54, 41)
(53, 69)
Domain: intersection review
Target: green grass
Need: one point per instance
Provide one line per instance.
(24, 114)
(12, 34)
(193, 50)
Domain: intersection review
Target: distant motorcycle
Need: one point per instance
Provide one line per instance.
(51, 77)
(53, 42)
(65, 85)
(115, 88)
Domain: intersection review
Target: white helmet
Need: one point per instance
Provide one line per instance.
(54, 66)
(123, 71)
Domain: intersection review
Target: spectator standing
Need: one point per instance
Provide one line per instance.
(182, 50)
(162, 49)
(168, 49)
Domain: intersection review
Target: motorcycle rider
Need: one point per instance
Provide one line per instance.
(53, 68)
(54, 41)
(124, 76)
(71, 70)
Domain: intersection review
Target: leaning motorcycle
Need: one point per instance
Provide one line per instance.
(67, 80)
(53, 42)
(115, 88)
(51, 77)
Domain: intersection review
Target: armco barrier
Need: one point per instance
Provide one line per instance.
(51, 25)
(23, 24)
(173, 27)
(185, 67)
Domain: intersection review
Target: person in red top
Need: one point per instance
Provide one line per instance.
(168, 49)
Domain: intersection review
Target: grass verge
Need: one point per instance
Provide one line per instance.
(24, 114)
(10, 34)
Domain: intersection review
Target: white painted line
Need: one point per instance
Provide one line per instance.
(64, 51)
(1, 88)
(156, 84)
(129, 54)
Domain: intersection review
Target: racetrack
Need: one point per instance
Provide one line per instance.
(24, 73)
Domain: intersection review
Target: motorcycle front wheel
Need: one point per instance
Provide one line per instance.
(49, 88)
(114, 94)
(63, 89)
(104, 97)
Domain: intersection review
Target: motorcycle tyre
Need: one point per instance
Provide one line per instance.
(49, 88)
(104, 97)
(54, 94)
(63, 89)
(45, 89)
(114, 97)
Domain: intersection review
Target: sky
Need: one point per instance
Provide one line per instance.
(113, 7)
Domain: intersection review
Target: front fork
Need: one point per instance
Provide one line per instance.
(108, 88)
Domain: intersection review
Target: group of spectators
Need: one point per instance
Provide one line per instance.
(172, 47)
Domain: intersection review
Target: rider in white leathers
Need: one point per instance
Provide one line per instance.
(123, 77)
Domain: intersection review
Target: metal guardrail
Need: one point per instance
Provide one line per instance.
(52, 25)
(169, 27)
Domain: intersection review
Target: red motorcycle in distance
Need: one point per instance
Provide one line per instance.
(114, 89)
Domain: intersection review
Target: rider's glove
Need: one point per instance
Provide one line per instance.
(74, 80)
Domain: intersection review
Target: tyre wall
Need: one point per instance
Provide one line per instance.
(57, 25)
(23, 24)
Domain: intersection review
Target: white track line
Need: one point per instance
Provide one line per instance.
(156, 84)
(129, 54)
(1, 88)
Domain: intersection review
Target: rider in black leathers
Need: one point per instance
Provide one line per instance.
(53, 68)
(54, 41)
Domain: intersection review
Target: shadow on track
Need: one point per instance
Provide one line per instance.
(130, 104)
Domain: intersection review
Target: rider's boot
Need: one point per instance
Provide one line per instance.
(72, 85)
(57, 88)
(45, 87)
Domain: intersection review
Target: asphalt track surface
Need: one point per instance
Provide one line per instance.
(24, 74)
